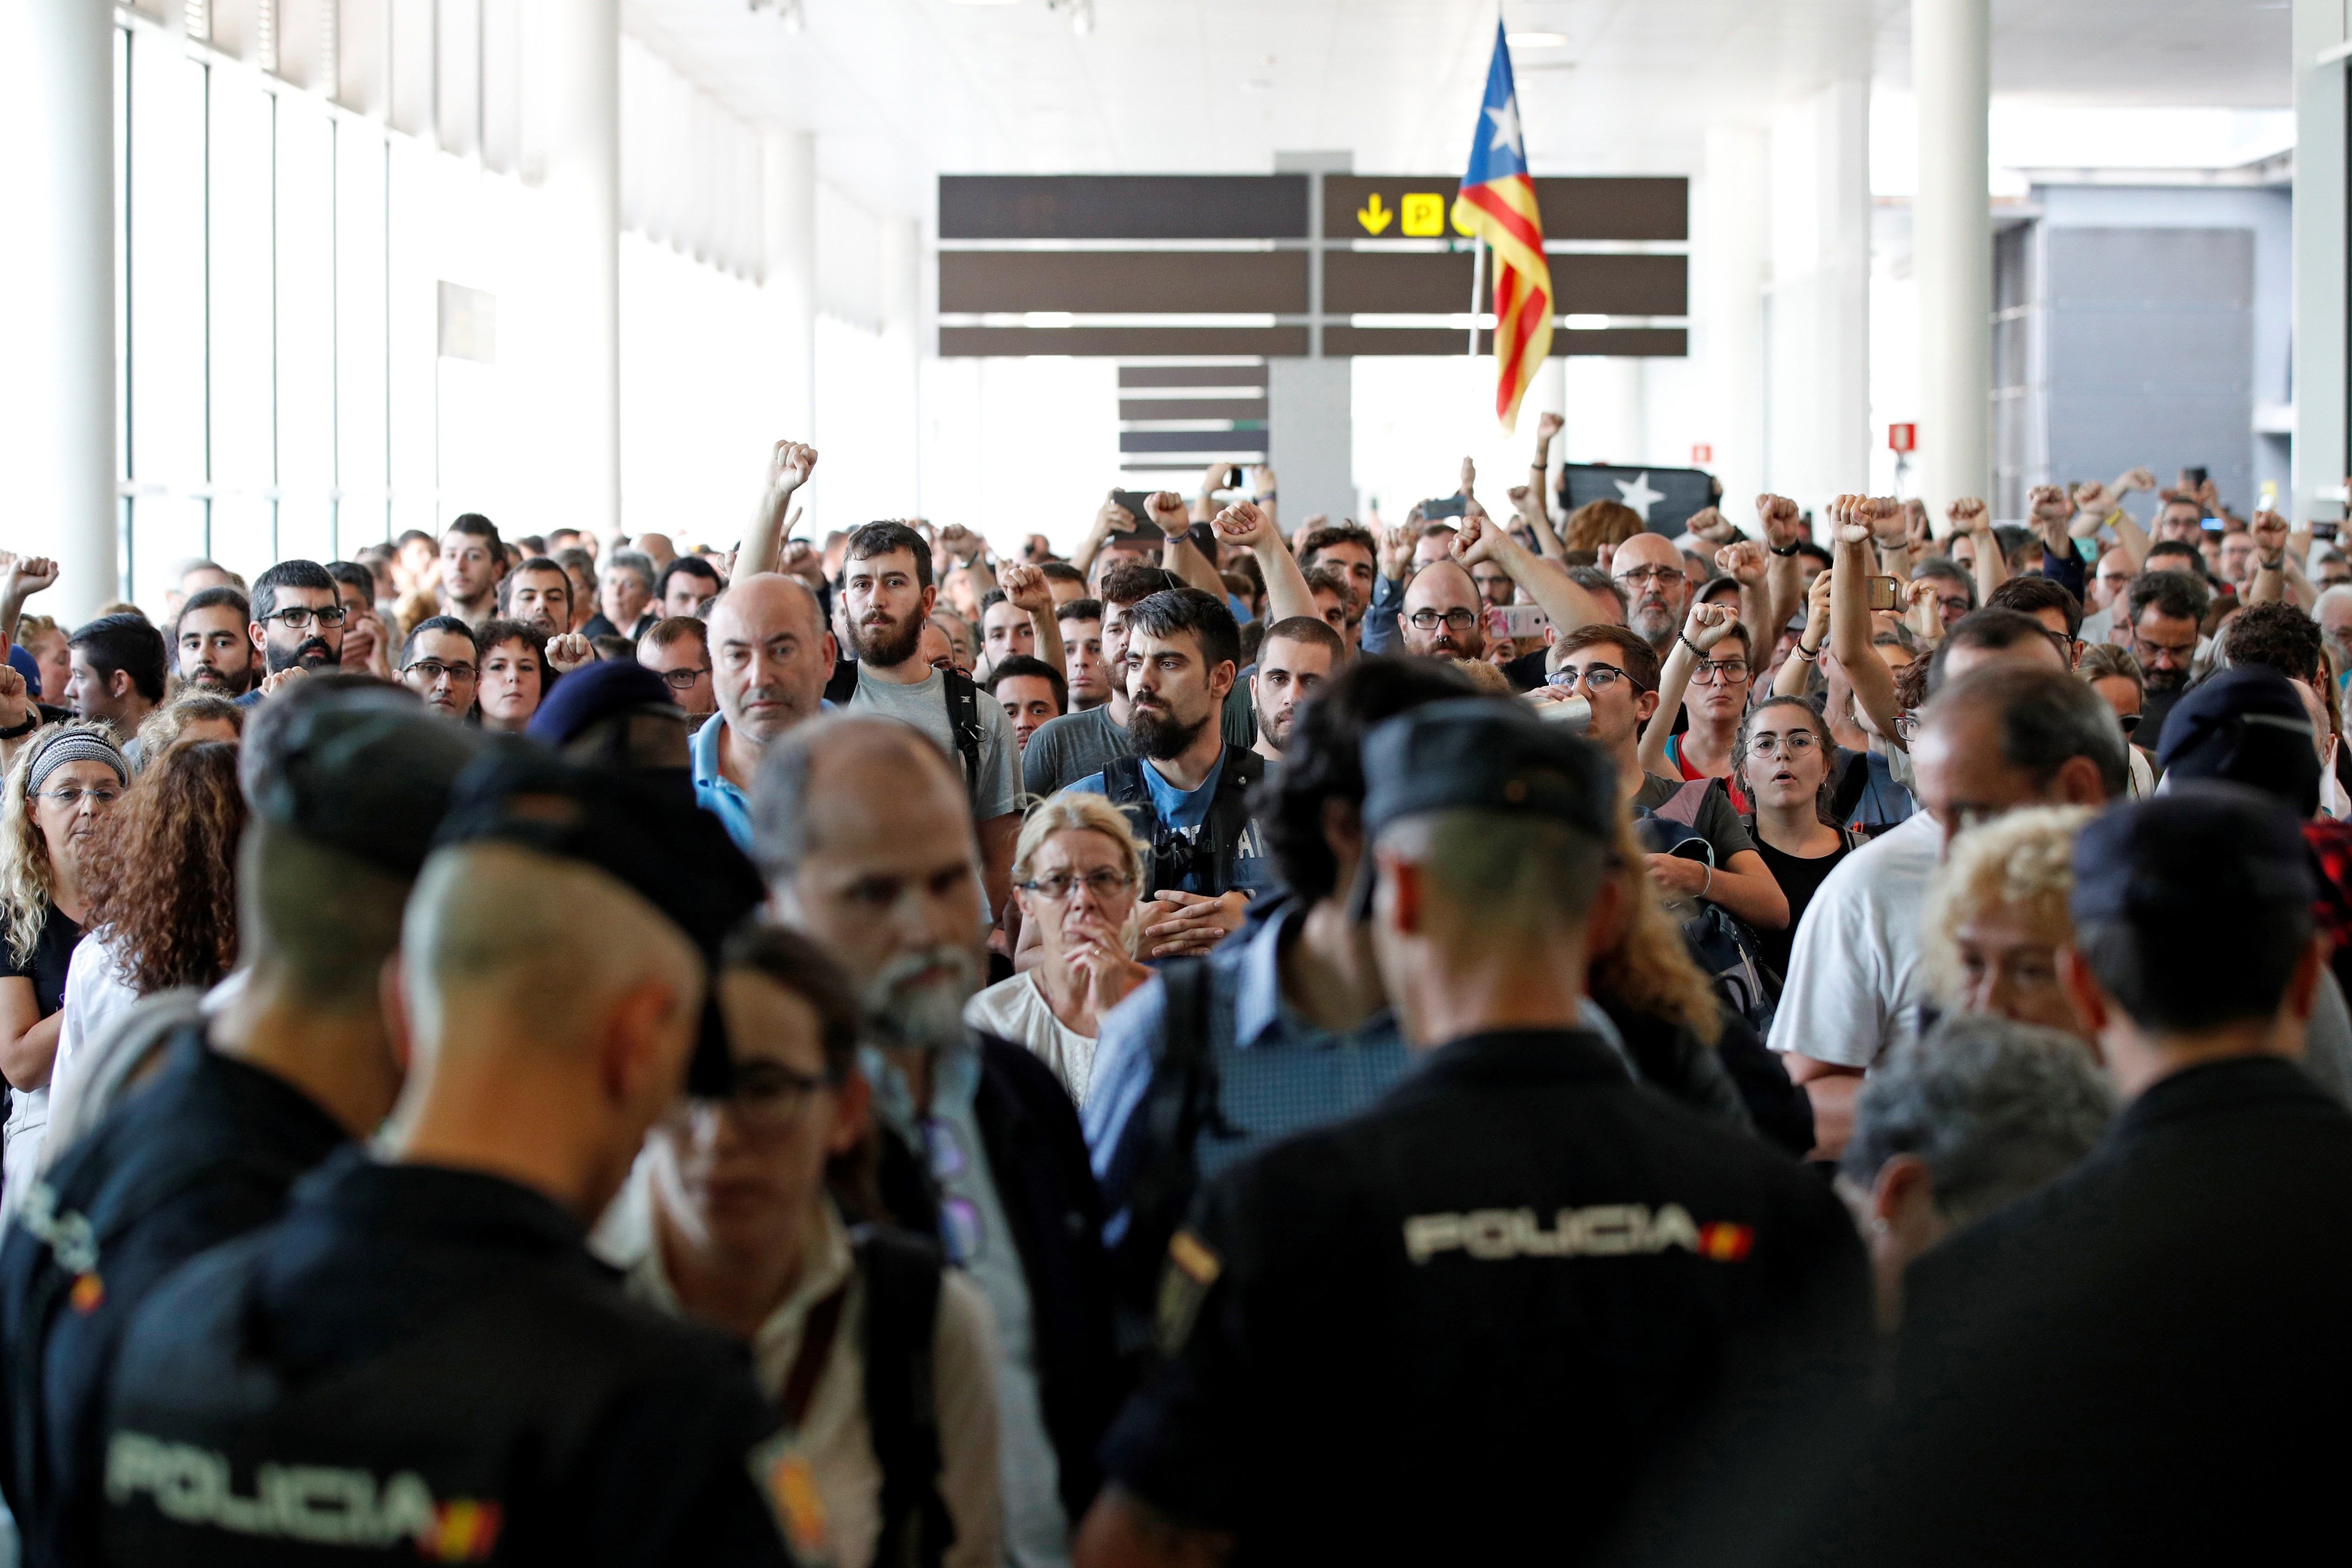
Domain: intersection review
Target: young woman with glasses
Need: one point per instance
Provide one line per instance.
(61, 786)
(1076, 868)
(1705, 674)
(1783, 758)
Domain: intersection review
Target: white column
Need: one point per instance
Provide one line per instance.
(1311, 431)
(576, 286)
(56, 339)
(1817, 375)
(1727, 264)
(902, 310)
(2319, 359)
(788, 211)
(1951, 44)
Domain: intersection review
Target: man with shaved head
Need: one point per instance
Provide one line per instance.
(864, 839)
(1657, 587)
(771, 655)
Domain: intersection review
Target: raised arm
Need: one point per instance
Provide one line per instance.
(1968, 515)
(1032, 594)
(1744, 561)
(789, 467)
(1180, 554)
(1286, 593)
(25, 576)
(1706, 625)
(1109, 518)
(2278, 577)
(1783, 528)
(1853, 518)
(1796, 672)
(1562, 599)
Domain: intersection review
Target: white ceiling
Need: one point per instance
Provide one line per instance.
(899, 90)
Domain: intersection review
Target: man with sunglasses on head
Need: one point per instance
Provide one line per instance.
(298, 624)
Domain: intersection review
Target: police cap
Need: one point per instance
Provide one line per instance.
(662, 846)
(2248, 725)
(2206, 852)
(365, 771)
(1482, 754)
(598, 691)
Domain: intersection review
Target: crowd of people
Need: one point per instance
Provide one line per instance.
(1512, 1031)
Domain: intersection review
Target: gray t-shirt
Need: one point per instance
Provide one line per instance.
(925, 706)
(1074, 746)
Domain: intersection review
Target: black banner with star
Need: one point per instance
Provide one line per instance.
(1665, 497)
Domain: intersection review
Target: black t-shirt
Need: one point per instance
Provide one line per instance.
(1798, 879)
(46, 967)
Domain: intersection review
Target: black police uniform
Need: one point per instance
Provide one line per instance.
(420, 1363)
(205, 1152)
(1475, 1313)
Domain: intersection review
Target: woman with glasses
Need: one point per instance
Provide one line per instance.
(1783, 759)
(1076, 867)
(162, 882)
(2115, 676)
(513, 675)
(62, 784)
(1705, 674)
(880, 1361)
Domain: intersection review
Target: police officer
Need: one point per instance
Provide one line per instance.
(1478, 1310)
(347, 787)
(421, 1359)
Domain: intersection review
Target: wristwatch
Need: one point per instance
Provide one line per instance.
(18, 731)
(1791, 549)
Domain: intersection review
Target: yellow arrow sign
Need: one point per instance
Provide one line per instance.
(1374, 215)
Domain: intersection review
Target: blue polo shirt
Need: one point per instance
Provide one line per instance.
(713, 790)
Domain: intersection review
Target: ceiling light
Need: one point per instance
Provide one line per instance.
(1538, 40)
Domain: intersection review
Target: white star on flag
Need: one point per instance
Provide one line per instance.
(1639, 495)
(1507, 128)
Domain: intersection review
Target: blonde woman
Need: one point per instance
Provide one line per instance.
(61, 784)
(1996, 918)
(1077, 868)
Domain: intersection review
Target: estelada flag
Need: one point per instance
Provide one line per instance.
(1497, 202)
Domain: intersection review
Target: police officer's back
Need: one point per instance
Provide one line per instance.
(421, 1359)
(347, 789)
(1464, 1322)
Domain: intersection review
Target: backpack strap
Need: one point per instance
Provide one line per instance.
(1178, 1104)
(843, 684)
(901, 1272)
(1123, 785)
(1229, 812)
(963, 718)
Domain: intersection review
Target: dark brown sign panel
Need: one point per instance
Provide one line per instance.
(1122, 207)
(1420, 206)
(1233, 282)
(1428, 282)
(1616, 343)
(1123, 342)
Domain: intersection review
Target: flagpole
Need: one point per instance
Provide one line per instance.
(1477, 287)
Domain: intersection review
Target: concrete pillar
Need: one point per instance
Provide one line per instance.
(902, 307)
(1818, 371)
(56, 340)
(2320, 369)
(788, 211)
(1310, 415)
(576, 284)
(1951, 45)
(1728, 260)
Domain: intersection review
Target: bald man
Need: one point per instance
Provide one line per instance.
(1444, 615)
(1657, 587)
(771, 656)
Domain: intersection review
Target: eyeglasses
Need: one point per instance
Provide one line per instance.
(1456, 620)
(1801, 744)
(1729, 671)
(684, 680)
(299, 620)
(1957, 605)
(1597, 677)
(434, 669)
(71, 796)
(2148, 652)
(2130, 722)
(1056, 886)
(1664, 576)
(769, 1096)
(1906, 725)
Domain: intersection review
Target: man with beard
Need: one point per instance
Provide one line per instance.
(216, 654)
(2164, 610)
(1185, 791)
(1296, 658)
(298, 622)
(865, 845)
(472, 561)
(769, 658)
(1657, 587)
(887, 595)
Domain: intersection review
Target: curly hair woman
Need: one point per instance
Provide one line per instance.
(162, 896)
(61, 784)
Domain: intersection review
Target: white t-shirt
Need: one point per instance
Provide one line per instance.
(96, 995)
(1855, 983)
(1017, 1010)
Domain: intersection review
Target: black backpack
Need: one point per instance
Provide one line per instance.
(963, 716)
(901, 1271)
(1172, 856)
(1720, 942)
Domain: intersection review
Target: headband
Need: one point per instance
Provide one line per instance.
(74, 746)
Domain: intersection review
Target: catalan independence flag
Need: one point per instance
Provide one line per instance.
(1498, 203)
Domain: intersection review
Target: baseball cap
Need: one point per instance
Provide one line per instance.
(1479, 753)
(367, 772)
(600, 690)
(2209, 852)
(668, 851)
(2246, 724)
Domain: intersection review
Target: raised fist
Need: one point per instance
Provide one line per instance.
(1475, 541)
(1886, 519)
(1469, 478)
(2270, 532)
(1968, 515)
(1777, 515)
(2048, 503)
(1396, 551)
(1744, 559)
(1167, 509)
(1711, 525)
(960, 542)
(1549, 425)
(1243, 523)
(1028, 589)
(789, 465)
(1708, 624)
(271, 685)
(569, 651)
(30, 575)
(2136, 479)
